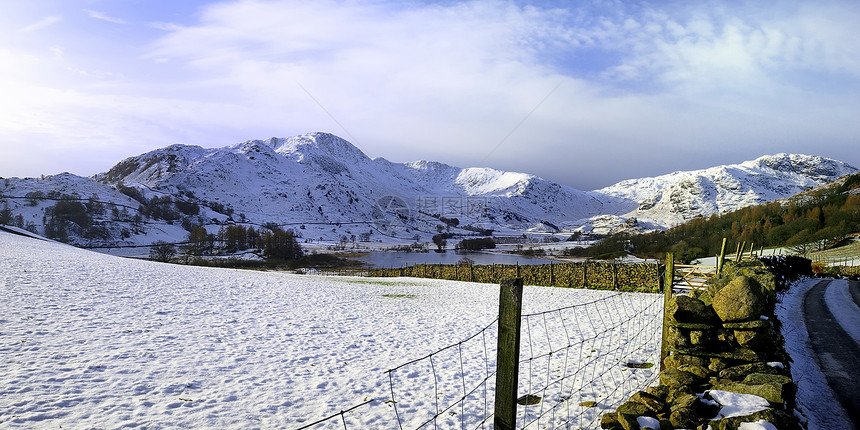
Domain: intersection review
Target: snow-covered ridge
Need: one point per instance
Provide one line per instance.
(680, 196)
(322, 180)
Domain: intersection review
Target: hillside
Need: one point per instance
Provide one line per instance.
(809, 221)
(326, 189)
(673, 199)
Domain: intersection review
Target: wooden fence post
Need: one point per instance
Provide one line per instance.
(508, 353)
(615, 275)
(667, 295)
(584, 274)
(722, 259)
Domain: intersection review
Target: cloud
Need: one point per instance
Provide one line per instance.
(583, 95)
(165, 26)
(707, 49)
(42, 23)
(471, 71)
(104, 17)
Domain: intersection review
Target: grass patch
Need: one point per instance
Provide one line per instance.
(400, 296)
(371, 282)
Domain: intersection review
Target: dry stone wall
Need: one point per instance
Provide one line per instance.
(643, 277)
(721, 339)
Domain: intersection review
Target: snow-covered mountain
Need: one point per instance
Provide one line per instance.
(321, 178)
(325, 188)
(678, 197)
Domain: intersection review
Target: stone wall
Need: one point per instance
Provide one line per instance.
(721, 340)
(643, 277)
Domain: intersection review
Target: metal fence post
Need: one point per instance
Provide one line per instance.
(508, 353)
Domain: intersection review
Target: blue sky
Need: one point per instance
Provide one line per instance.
(582, 93)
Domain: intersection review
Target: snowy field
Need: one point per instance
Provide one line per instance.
(94, 341)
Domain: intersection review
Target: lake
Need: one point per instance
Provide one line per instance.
(401, 259)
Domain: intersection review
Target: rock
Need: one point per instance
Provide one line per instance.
(689, 310)
(676, 394)
(741, 300)
(752, 338)
(632, 408)
(674, 377)
(649, 401)
(699, 371)
(748, 325)
(684, 418)
(738, 373)
(718, 381)
(588, 404)
(780, 419)
(628, 421)
(765, 378)
(770, 392)
(717, 365)
(660, 391)
(705, 295)
(736, 354)
(727, 337)
(702, 337)
(782, 385)
(609, 421)
(685, 401)
(678, 360)
(678, 339)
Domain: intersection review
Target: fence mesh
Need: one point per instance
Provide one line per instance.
(598, 351)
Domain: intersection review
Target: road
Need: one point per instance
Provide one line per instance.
(831, 312)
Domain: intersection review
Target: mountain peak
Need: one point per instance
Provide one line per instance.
(811, 166)
(318, 144)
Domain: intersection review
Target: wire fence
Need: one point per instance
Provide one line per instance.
(601, 352)
(576, 362)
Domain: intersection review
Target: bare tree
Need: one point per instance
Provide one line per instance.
(162, 251)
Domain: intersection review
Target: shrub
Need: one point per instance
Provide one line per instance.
(477, 244)
(162, 251)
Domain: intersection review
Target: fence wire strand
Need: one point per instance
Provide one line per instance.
(618, 334)
(599, 351)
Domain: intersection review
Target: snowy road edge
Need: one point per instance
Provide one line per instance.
(813, 393)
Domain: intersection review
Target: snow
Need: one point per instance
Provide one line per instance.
(105, 342)
(776, 364)
(737, 405)
(331, 186)
(815, 400)
(677, 197)
(649, 422)
(757, 425)
(846, 312)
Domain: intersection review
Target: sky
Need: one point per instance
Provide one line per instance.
(584, 93)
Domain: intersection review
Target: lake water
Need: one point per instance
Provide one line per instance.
(401, 259)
